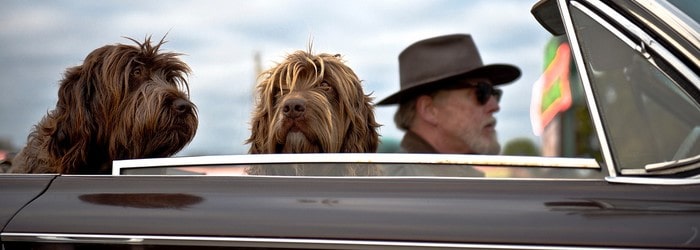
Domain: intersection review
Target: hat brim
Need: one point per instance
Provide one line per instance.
(498, 74)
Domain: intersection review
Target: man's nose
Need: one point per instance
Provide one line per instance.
(493, 104)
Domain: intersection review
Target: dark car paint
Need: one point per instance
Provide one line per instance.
(564, 212)
(17, 191)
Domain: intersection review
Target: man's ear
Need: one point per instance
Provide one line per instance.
(426, 110)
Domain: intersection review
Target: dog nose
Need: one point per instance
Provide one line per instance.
(181, 105)
(294, 108)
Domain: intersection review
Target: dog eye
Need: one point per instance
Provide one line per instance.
(278, 93)
(324, 85)
(136, 71)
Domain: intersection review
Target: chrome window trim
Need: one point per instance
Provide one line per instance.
(267, 242)
(688, 28)
(648, 41)
(587, 89)
(457, 159)
(653, 181)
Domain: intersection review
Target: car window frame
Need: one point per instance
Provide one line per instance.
(605, 16)
(120, 167)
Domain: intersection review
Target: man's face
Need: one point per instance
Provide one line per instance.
(467, 125)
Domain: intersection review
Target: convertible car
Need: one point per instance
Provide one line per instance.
(638, 62)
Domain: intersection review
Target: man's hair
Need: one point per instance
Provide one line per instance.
(405, 114)
(407, 110)
(403, 118)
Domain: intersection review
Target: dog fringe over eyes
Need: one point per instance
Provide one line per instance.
(149, 50)
(302, 71)
(338, 116)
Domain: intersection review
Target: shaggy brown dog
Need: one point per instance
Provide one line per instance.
(312, 104)
(123, 102)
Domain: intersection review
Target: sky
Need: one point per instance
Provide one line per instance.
(219, 40)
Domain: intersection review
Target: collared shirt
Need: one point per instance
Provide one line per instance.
(413, 143)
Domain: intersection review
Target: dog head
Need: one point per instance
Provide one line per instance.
(123, 102)
(312, 104)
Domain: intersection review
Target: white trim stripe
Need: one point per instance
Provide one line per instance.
(268, 242)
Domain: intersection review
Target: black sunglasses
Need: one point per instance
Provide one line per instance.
(484, 91)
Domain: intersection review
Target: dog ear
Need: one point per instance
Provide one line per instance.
(362, 135)
(372, 142)
(261, 119)
(69, 139)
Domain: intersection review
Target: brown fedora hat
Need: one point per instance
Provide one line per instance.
(424, 66)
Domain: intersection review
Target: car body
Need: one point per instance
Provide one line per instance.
(638, 64)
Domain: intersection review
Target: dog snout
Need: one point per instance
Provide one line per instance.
(294, 108)
(180, 106)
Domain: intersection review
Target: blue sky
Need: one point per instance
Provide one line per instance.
(40, 39)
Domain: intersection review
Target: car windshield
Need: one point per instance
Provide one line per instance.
(646, 108)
